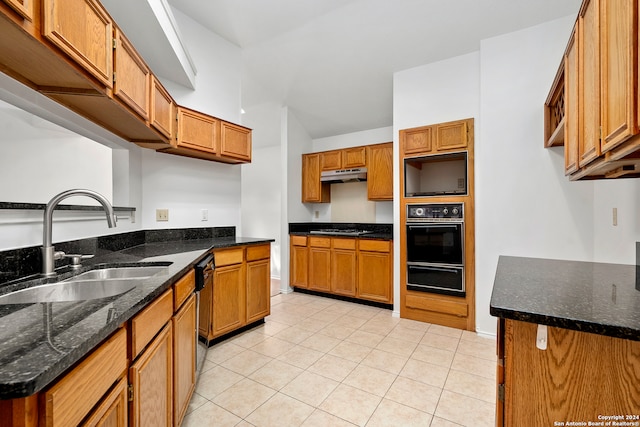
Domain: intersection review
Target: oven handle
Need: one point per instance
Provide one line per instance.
(433, 225)
(449, 268)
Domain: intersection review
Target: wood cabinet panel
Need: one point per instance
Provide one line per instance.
(451, 135)
(197, 131)
(313, 191)
(132, 77)
(375, 276)
(235, 141)
(338, 243)
(330, 160)
(344, 269)
(23, 7)
(380, 172)
(416, 141)
(258, 290)
(299, 240)
(319, 242)
(299, 266)
(319, 269)
(84, 31)
(258, 252)
(354, 157)
(112, 411)
(619, 32)
(589, 52)
(229, 303)
(151, 377)
(146, 324)
(69, 400)
(184, 358)
(371, 245)
(228, 256)
(183, 288)
(572, 123)
(162, 116)
(544, 386)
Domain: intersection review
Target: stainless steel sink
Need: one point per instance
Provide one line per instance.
(119, 273)
(77, 290)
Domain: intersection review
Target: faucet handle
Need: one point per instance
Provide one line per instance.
(76, 259)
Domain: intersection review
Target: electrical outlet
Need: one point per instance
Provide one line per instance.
(204, 215)
(460, 182)
(316, 214)
(615, 217)
(162, 214)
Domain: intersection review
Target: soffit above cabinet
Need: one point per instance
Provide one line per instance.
(152, 28)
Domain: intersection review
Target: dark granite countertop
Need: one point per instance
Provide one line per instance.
(374, 231)
(590, 297)
(32, 355)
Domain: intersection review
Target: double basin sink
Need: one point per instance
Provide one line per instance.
(93, 284)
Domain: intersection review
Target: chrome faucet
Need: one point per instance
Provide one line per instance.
(49, 255)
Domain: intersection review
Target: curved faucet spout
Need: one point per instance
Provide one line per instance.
(48, 252)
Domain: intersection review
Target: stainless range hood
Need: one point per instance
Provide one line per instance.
(344, 175)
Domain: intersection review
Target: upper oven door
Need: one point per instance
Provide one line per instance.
(440, 243)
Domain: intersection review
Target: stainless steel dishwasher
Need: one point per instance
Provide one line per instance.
(204, 282)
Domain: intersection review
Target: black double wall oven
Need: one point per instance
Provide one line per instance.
(435, 248)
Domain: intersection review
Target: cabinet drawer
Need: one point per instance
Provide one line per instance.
(228, 256)
(458, 309)
(375, 245)
(258, 252)
(319, 242)
(299, 240)
(183, 288)
(71, 398)
(344, 244)
(148, 322)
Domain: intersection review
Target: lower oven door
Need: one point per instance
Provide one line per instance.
(436, 278)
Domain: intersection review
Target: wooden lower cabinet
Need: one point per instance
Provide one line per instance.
(375, 275)
(184, 358)
(319, 265)
(258, 289)
(299, 268)
(228, 299)
(579, 377)
(344, 267)
(112, 411)
(151, 379)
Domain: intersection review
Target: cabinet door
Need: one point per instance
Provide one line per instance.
(380, 172)
(258, 290)
(184, 358)
(84, 31)
(235, 141)
(162, 116)
(23, 7)
(151, 377)
(343, 270)
(319, 269)
(112, 411)
(619, 71)
(205, 313)
(589, 48)
(572, 127)
(132, 77)
(354, 157)
(416, 141)
(331, 160)
(197, 131)
(374, 276)
(229, 303)
(299, 266)
(313, 191)
(452, 135)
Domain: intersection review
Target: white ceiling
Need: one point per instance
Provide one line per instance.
(332, 61)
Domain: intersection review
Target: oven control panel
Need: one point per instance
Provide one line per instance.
(435, 211)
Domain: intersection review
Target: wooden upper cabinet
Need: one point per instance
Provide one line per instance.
(452, 135)
(589, 54)
(619, 32)
(235, 141)
(416, 141)
(132, 77)
(330, 160)
(23, 7)
(162, 116)
(572, 126)
(84, 31)
(354, 157)
(313, 191)
(380, 172)
(197, 131)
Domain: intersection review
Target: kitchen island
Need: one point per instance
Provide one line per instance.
(568, 343)
(46, 342)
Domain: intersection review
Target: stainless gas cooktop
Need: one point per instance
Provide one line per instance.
(340, 232)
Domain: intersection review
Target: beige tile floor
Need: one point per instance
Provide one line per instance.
(322, 362)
